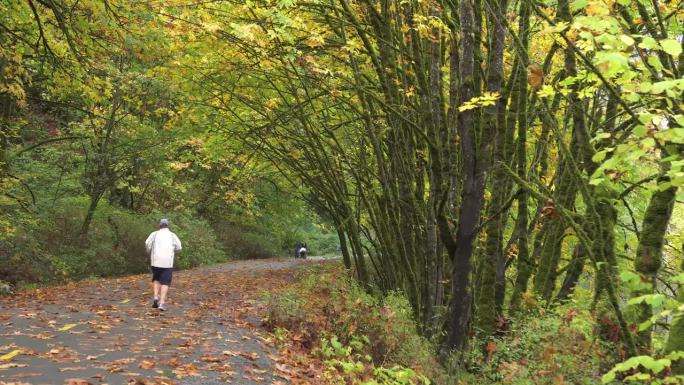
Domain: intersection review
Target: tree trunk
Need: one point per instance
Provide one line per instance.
(343, 248)
(486, 307)
(649, 253)
(675, 340)
(573, 273)
(92, 207)
(473, 183)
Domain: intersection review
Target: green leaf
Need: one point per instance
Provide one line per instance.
(638, 377)
(679, 119)
(645, 118)
(600, 136)
(648, 42)
(608, 377)
(626, 276)
(640, 131)
(656, 366)
(599, 157)
(664, 186)
(678, 355)
(627, 40)
(578, 4)
(654, 61)
(679, 278)
(671, 47)
(645, 325)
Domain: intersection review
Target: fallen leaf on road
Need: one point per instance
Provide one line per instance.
(10, 355)
(186, 370)
(12, 365)
(67, 327)
(250, 356)
(76, 381)
(212, 359)
(43, 336)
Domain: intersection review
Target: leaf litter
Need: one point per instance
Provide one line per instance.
(124, 338)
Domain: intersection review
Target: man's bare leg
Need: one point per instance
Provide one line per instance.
(156, 287)
(164, 290)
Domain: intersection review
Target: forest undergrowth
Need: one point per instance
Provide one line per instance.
(358, 336)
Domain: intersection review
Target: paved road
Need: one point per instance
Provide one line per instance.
(105, 332)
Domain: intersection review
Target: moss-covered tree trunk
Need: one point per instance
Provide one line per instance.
(524, 263)
(461, 248)
(343, 246)
(675, 340)
(649, 253)
(573, 273)
(550, 248)
(485, 307)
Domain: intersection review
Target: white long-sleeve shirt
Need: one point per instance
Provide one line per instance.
(162, 246)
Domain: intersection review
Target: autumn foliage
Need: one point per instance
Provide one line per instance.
(329, 319)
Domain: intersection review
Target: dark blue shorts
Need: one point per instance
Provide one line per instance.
(162, 274)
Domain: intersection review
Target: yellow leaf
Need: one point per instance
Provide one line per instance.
(597, 9)
(67, 327)
(315, 40)
(10, 355)
(127, 300)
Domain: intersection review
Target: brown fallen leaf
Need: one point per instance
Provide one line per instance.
(250, 356)
(76, 381)
(43, 336)
(146, 365)
(285, 369)
(186, 370)
(212, 359)
(535, 76)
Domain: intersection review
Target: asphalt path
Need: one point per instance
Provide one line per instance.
(106, 332)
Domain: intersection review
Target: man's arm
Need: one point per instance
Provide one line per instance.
(149, 241)
(176, 243)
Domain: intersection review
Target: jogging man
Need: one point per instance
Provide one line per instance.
(162, 245)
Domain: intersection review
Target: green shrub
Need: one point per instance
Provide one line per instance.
(542, 347)
(22, 259)
(50, 248)
(200, 244)
(245, 243)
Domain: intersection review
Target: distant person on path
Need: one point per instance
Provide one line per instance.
(162, 246)
(300, 250)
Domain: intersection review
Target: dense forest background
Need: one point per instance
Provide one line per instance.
(100, 140)
(494, 161)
